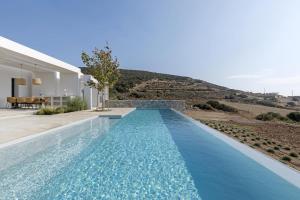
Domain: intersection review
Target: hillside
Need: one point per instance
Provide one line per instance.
(138, 84)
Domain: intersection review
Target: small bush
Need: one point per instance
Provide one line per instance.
(203, 106)
(293, 154)
(295, 116)
(270, 151)
(266, 103)
(257, 144)
(287, 148)
(214, 104)
(286, 158)
(291, 104)
(46, 111)
(276, 148)
(220, 106)
(60, 110)
(76, 104)
(270, 116)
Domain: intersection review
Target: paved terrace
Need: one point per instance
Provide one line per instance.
(16, 124)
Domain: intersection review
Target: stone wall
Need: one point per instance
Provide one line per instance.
(175, 104)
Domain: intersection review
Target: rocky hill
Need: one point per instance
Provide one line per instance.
(138, 84)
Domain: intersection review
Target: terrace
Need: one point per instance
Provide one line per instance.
(29, 75)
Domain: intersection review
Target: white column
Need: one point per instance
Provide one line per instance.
(57, 83)
(88, 93)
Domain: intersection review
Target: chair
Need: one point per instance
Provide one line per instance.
(21, 101)
(29, 101)
(12, 101)
(38, 101)
(46, 100)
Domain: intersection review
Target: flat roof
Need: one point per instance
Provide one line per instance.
(15, 50)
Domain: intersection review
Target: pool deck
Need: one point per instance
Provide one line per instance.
(18, 124)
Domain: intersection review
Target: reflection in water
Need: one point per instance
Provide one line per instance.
(43, 157)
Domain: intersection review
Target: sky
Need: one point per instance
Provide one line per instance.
(252, 45)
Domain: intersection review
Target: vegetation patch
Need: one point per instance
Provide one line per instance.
(223, 107)
(293, 155)
(287, 148)
(286, 158)
(75, 104)
(257, 144)
(295, 116)
(270, 116)
(276, 148)
(46, 111)
(266, 103)
(203, 106)
(270, 151)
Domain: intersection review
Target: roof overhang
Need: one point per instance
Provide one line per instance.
(14, 54)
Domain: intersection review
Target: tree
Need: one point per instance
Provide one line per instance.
(103, 67)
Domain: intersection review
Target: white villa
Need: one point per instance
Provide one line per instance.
(25, 72)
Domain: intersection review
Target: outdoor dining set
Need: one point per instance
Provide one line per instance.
(27, 102)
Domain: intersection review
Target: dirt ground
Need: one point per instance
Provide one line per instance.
(276, 139)
(250, 110)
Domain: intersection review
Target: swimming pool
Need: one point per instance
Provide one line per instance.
(148, 154)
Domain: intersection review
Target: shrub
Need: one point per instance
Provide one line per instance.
(203, 106)
(287, 148)
(266, 103)
(76, 104)
(270, 151)
(136, 95)
(295, 116)
(286, 158)
(291, 104)
(293, 154)
(60, 110)
(257, 144)
(220, 106)
(46, 111)
(270, 116)
(214, 104)
(276, 148)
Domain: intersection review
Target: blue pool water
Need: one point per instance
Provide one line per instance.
(149, 154)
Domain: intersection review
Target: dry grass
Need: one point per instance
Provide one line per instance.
(218, 116)
(276, 147)
(251, 110)
(277, 139)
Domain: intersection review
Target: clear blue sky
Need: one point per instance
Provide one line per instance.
(242, 44)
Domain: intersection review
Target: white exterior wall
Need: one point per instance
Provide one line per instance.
(55, 85)
(94, 97)
(70, 83)
(90, 94)
(48, 87)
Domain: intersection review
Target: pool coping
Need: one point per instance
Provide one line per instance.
(29, 137)
(286, 172)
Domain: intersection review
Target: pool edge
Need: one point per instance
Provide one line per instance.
(286, 172)
(29, 137)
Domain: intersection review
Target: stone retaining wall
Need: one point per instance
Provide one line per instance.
(175, 104)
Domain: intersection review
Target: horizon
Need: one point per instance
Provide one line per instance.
(249, 46)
